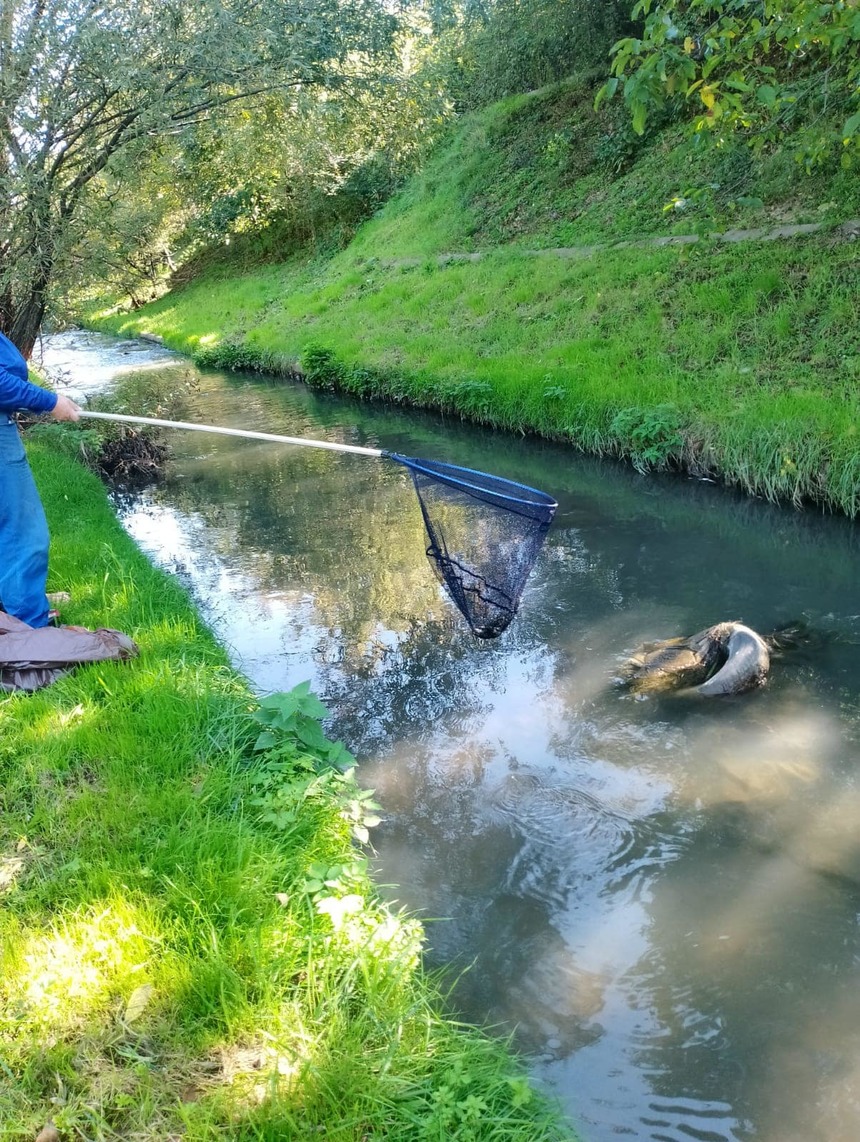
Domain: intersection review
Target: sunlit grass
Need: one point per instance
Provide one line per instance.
(753, 347)
(163, 970)
(52, 982)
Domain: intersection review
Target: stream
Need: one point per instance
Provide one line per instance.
(661, 898)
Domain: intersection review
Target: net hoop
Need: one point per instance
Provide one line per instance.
(542, 500)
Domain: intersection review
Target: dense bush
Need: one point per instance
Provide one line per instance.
(650, 437)
(239, 357)
(754, 71)
(524, 44)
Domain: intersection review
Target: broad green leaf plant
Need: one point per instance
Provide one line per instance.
(752, 69)
(300, 765)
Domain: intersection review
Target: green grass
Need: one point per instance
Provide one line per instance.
(741, 361)
(168, 965)
(545, 170)
(754, 350)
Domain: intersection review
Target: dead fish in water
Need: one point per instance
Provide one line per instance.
(728, 658)
(746, 666)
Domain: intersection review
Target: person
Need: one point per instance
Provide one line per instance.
(24, 536)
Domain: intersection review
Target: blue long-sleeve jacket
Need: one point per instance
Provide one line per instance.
(16, 391)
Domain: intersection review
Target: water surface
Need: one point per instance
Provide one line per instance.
(660, 897)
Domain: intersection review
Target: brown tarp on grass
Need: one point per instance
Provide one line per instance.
(32, 658)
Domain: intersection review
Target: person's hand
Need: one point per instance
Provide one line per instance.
(65, 409)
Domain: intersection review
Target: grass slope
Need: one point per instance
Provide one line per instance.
(742, 361)
(546, 170)
(171, 964)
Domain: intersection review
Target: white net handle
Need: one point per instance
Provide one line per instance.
(244, 432)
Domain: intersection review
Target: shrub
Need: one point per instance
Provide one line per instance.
(526, 44)
(321, 368)
(238, 356)
(650, 437)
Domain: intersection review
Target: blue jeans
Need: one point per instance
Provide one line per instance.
(23, 534)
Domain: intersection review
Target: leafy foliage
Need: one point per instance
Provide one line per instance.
(313, 163)
(505, 47)
(235, 356)
(321, 367)
(125, 234)
(650, 436)
(300, 766)
(758, 69)
(292, 721)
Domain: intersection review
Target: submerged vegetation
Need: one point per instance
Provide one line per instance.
(190, 944)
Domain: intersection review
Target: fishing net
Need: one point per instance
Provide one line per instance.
(485, 534)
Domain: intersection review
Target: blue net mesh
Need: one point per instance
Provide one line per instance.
(484, 536)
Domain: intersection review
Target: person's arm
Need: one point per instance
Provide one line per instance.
(17, 392)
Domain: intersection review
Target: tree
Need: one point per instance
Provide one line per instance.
(759, 68)
(299, 167)
(322, 160)
(82, 81)
(127, 231)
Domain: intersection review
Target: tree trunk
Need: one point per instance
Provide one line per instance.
(7, 311)
(24, 305)
(27, 318)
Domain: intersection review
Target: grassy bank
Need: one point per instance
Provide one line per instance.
(742, 361)
(189, 944)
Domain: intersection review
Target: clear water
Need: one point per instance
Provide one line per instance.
(661, 898)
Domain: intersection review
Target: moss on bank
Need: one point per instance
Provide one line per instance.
(173, 961)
